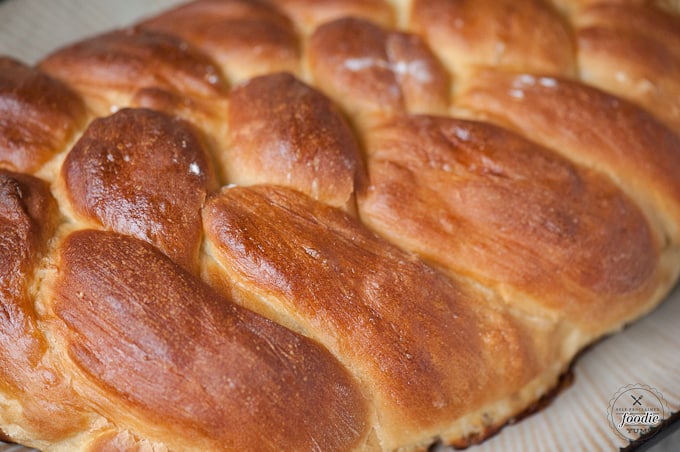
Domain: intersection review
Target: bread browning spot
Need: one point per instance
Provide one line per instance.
(28, 379)
(628, 144)
(505, 34)
(281, 131)
(483, 202)
(427, 350)
(110, 69)
(126, 278)
(310, 14)
(142, 173)
(632, 51)
(373, 72)
(172, 361)
(246, 38)
(38, 116)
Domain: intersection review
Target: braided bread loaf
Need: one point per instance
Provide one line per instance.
(329, 224)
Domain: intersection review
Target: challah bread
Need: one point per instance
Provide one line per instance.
(467, 35)
(40, 116)
(644, 53)
(328, 225)
(418, 387)
(373, 73)
(546, 235)
(630, 145)
(141, 173)
(259, 36)
(174, 384)
(283, 132)
(136, 68)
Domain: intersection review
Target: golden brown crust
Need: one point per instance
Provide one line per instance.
(282, 131)
(245, 37)
(634, 52)
(192, 369)
(573, 7)
(373, 72)
(35, 394)
(309, 14)
(111, 69)
(483, 202)
(38, 116)
(142, 173)
(629, 144)
(477, 265)
(468, 34)
(422, 78)
(406, 331)
(27, 220)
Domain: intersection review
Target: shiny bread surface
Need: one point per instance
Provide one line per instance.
(329, 225)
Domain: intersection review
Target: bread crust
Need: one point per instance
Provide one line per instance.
(511, 215)
(469, 34)
(39, 116)
(372, 72)
(37, 400)
(630, 145)
(284, 132)
(338, 283)
(329, 224)
(637, 61)
(186, 358)
(134, 67)
(142, 173)
(230, 30)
